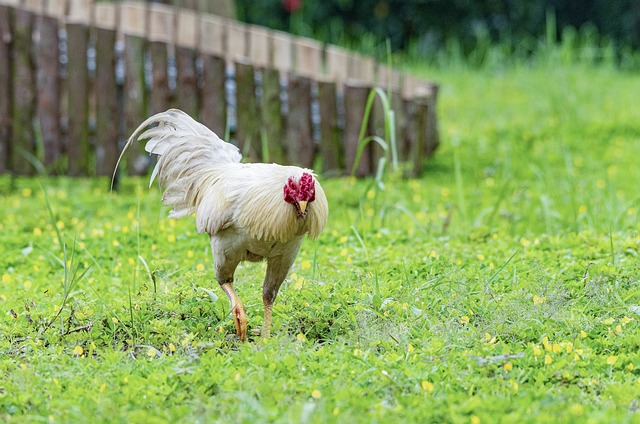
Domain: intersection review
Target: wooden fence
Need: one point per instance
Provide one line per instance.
(77, 76)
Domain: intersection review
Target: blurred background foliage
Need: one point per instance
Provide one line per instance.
(426, 28)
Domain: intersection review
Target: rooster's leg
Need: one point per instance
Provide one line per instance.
(237, 311)
(266, 325)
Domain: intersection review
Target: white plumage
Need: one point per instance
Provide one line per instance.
(251, 211)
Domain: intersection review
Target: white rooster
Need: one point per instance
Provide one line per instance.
(251, 211)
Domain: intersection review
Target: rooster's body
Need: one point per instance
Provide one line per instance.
(251, 211)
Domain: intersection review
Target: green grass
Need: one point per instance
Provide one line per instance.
(501, 286)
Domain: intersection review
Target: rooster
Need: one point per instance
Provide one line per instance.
(251, 211)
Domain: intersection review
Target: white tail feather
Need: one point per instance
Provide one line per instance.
(187, 152)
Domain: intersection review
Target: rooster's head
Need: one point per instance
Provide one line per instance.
(299, 192)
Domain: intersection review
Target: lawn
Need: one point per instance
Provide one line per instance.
(501, 286)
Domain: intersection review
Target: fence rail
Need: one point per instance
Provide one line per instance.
(77, 76)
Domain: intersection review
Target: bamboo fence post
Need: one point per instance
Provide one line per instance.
(301, 148)
(186, 42)
(78, 147)
(24, 95)
(213, 112)
(133, 25)
(48, 86)
(280, 64)
(161, 33)
(5, 87)
(330, 147)
(247, 131)
(298, 139)
(107, 107)
(269, 127)
(355, 99)
(433, 133)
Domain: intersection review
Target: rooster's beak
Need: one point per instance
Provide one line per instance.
(303, 207)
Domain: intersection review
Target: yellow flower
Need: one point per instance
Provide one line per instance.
(172, 348)
(630, 367)
(410, 348)
(464, 320)
(583, 334)
(625, 320)
(200, 267)
(537, 351)
(475, 419)
(151, 352)
(577, 409)
(103, 387)
(428, 386)
(37, 231)
(557, 348)
(545, 343)
(508, 366)
(171, 238)
(316, 394)
(537, 300)
(78, 350)
(6, 278)
(611, 360)
(190, 254)
(547, 359)
(305, 265)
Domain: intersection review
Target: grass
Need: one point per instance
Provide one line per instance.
(500, 286)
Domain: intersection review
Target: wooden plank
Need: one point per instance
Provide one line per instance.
(361, 68)
(161, 23)
(5, 87)
(56, 8)
(160, 94)
(134, 101)
(330, 134)
(213, 112)
(35, 6)
(237, 45)
(247, 134)
(187, 29)
(49, 91)
(259, 46)
(432, 139)
(272, 126)
(107, 108)
(186, 82)
(355, 98)
(281, 52)
(78, 147)
(416, 110)
(105, 16)
(24, 94)
(133, 18)
(213, 34)
(298, 137)
(79, 12)
(337, 62)
(308, 58)
(388, 78)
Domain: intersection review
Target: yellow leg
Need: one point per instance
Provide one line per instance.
(237, 311)
(266, 325)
